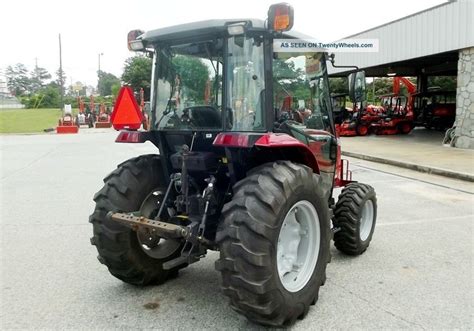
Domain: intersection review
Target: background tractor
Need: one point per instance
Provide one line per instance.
(435, 109)
(355, 121)
(398, 113)
(84, 117)
(103, 118)
(232, 175)
(67, 123)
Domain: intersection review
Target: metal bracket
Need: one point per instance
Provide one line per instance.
(162, 229)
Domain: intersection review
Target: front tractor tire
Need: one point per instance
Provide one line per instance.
(362, 130)
(136, 185)
(355, 215)
(274, 243)
(405, 127)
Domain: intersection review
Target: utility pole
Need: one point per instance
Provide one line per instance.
(61, 73)
(98, 73)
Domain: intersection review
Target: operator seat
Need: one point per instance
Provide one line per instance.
(205, 117)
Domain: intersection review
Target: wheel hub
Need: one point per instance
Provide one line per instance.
(152, 244)
(366, 220)
(298, 246)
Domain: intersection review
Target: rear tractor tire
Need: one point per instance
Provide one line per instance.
(133, 257)
(274, 243)
(355, 215)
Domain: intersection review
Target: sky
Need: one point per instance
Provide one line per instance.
(30, 29)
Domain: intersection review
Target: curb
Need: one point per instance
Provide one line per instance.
(412, 166)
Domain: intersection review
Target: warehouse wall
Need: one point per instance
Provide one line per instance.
(464, 133)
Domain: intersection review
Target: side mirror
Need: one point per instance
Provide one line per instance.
(357, 86)
(280, 17)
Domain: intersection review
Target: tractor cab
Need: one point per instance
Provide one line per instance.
(397, 116)
(219, 84)
(394, 105)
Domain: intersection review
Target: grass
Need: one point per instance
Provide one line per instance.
(28, 120)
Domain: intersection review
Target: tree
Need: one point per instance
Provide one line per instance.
(338, 85)
(289, 80)
(106, 81)
(115, 89)
(51, 96)
(446, 83)
(137, 73)
(18, 79)
(383, 86)
(46, 97)
(38, 78)
(194, 75)
(60, 77)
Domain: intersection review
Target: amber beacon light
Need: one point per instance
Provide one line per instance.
(280, 17)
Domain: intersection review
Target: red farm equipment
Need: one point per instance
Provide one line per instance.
(352, 121)
(144, 108)
(398, 116)
(234, 174)
(103, 119)
(435, 109)
(84, 118)
(357, 119)
(67, 123)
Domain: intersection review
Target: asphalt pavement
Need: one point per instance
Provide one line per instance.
(416, 274)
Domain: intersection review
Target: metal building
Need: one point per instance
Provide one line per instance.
(434, 42)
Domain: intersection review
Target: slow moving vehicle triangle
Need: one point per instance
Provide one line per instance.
(126, 113)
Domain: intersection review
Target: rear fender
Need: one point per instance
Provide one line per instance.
(294, 149)
(282, 143)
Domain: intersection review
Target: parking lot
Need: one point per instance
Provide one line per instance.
(417, 273)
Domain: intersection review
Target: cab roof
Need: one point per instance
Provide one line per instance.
(188, 31)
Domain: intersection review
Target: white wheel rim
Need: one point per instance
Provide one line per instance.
(298, 246)
(366, 220)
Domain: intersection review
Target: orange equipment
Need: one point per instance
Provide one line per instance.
(435, 108)
(350, 122)
(103, 120)
(67, 123)
(82, 117)
(398, 117)
(146, 118)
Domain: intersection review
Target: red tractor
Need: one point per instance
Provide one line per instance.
(103, 119)
(230, 176)
(83, 117)
(435, 109)
(352, 121)
(398, 116)
(67, 123)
